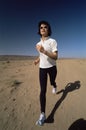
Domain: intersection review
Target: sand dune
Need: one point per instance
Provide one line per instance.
(19, 96)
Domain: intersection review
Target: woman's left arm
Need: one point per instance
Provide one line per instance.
(53, 55)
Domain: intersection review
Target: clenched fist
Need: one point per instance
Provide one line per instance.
(40, 48)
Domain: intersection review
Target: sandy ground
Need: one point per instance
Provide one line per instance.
(19, 96)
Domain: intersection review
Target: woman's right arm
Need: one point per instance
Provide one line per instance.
(37, 61)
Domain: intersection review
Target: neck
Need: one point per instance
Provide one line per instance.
(44, 38)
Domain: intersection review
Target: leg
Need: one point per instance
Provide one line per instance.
(52, 74)
(43, 87)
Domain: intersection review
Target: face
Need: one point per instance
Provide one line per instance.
(44, 30)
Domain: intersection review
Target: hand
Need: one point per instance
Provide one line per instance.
(40, 48)
(35, 62)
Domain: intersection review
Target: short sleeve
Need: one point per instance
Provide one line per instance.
(54, 46)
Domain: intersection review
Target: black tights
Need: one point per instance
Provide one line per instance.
(43, 83)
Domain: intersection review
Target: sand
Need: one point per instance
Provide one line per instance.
(19, 96)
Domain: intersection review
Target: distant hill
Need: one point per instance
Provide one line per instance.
(15, 57)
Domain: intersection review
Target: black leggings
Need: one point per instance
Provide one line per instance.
(43, 83)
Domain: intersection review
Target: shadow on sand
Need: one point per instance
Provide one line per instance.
(79, 124)
(69, 88)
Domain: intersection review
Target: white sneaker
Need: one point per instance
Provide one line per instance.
(41, 119)
(54, 90)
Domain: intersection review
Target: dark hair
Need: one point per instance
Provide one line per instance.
(46, 23)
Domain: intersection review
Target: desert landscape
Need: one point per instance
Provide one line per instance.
(19, 95)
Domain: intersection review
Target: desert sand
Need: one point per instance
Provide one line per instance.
(19, 96)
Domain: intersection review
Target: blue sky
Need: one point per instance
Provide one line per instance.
(19, 26)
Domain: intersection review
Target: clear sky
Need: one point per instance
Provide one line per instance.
(19, 26)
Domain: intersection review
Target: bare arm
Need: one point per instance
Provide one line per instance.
(37, 61)
(53, 55)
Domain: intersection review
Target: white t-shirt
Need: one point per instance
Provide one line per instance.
(49, 45)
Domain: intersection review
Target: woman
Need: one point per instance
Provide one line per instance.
(48, 53)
